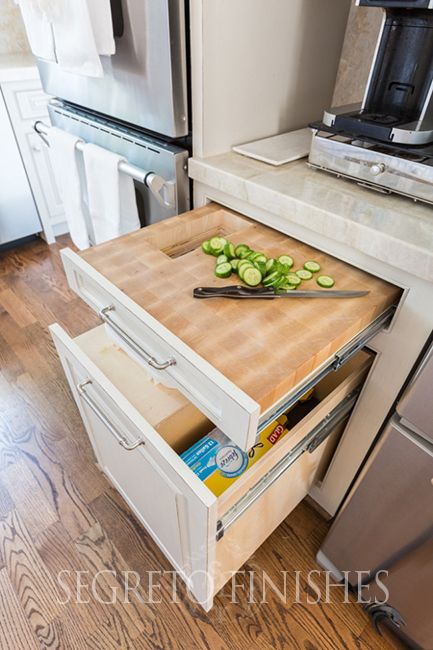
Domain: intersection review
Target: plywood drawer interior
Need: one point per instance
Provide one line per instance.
(179, 424)
(236, 361)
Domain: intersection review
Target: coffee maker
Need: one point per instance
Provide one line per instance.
(386, 142)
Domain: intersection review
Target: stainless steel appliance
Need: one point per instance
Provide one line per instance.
(159, 168)
(387, 169)
(386, 523)
(18, 215)
(386, 142)
(145, 81)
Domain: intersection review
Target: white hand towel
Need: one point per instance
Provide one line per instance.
(111, 195)
(38, 29)
(102, 25)
(74, 38)
(66, 160)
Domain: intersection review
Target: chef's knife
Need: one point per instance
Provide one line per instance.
(269, 293)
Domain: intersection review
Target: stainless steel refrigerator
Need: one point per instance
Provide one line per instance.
(386, 523)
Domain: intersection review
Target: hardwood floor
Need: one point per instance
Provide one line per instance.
(61, 523)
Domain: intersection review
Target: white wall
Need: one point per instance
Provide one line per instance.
(12, 34)
(263, 67)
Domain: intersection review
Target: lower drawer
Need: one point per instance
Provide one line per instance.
(138, 428)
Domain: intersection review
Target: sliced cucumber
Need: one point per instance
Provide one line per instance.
(286, 260)
(229, 250)
(312, 266)
(286, 287)
(206, 247)
(221, 259)
(261, 266)
(245, 254)
(293, 279)
(252, 276)
(261, 257)
(325, 281)
(234, 263)
(241, 248)
(304, 274)
(223, 270)
(271, 277)
(216, 245)
(270, 265)
(243, 267)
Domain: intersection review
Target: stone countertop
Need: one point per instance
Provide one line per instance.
(392, 229)
(17, 67)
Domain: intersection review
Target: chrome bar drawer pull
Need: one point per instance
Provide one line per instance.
(151, 361)
(119, 437)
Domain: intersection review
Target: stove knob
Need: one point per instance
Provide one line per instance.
(377, 168)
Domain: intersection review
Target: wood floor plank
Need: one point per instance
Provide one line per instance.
(15, 630)
(32, 582)
(29, 498)
(65, 565)
(60, 491)
(102, 558)
(16, 308)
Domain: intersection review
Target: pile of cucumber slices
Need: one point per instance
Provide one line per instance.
(256, 268)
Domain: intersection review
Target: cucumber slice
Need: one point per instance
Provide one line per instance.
(252, 276)
(261, 257)
(271, 277)
(270, 265)
(221, 259)
(312, 266)
(325, 281)
(244, 254)
(304, 274)
(261, 266)
(216, 245)
(229, 251)
(286, 287)
(234, 263)
(206, 247)
(223, 270)
(286, 260)
(293, 279)
(243, 267)
(241, 248)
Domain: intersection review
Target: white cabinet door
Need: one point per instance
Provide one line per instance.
(26, 102)
(18, 214)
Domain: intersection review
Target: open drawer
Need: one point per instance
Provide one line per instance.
(240, 362)
(139, 428)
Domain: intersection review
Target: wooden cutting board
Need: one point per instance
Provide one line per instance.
(264, 347)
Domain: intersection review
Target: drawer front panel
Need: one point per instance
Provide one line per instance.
(163, 355)
(174, 506)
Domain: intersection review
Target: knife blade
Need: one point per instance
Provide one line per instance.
(268, 293)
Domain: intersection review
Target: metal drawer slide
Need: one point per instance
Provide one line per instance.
(350, 349)
(310, 443)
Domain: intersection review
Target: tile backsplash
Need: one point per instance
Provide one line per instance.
(12, 34)
(358, 49)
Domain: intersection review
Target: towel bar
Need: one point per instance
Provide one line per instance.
(162, 190)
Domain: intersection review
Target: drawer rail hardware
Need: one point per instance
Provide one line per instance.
(348, 351)
(104, 314)
(129, 446)
(310, 443)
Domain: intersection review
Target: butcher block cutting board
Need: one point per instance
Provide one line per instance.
(264, 347)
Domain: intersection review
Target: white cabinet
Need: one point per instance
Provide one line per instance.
(18, 214)
(26, 102)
